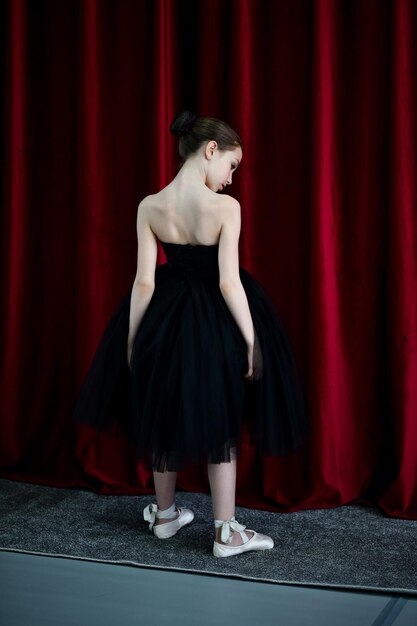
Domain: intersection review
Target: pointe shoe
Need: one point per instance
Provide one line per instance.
(169, 529)
(256, 542)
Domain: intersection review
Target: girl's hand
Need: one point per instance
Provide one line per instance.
(129, 354)
(255, 361)
(249, 374)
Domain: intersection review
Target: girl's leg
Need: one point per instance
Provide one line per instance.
(165, 492)
(222, 479)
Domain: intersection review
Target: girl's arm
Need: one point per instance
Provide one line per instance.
(144, 283)
(230, 283)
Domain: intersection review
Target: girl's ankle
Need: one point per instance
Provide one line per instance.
(166, 515)
(164, 520)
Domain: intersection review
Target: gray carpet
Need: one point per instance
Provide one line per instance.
(351, 547)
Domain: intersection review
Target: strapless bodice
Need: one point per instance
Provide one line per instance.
(191, 259)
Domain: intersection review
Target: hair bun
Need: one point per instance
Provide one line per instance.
(182, 123)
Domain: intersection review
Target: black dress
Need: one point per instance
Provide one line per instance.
(183, 398)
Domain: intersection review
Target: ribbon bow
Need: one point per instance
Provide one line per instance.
(228, 528)
(149, 514)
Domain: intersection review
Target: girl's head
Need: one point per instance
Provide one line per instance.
(213, 140)
(196, 131)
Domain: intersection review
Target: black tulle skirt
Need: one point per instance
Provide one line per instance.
(183, 398)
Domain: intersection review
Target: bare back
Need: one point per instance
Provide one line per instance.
(193, 216)
(189, 214)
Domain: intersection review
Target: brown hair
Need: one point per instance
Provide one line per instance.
(195, 131)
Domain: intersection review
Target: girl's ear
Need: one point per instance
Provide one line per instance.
(210, 148)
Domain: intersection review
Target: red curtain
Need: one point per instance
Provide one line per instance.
(323, 94)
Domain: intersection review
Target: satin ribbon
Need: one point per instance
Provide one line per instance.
(228, 528)
(149, 514)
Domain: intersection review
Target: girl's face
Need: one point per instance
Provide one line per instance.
(221, 166)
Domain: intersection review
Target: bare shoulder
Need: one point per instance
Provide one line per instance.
(143, 213)
(145, 208)
(146, 202)
(230, 206)
(229, 201)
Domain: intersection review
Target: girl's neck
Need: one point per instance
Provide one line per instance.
(192, 173)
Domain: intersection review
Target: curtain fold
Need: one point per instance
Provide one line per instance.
(323, 94)
(401, 318)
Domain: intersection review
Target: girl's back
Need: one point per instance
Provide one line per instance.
(184, 214)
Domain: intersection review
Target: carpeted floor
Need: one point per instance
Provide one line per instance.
(349, 547)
